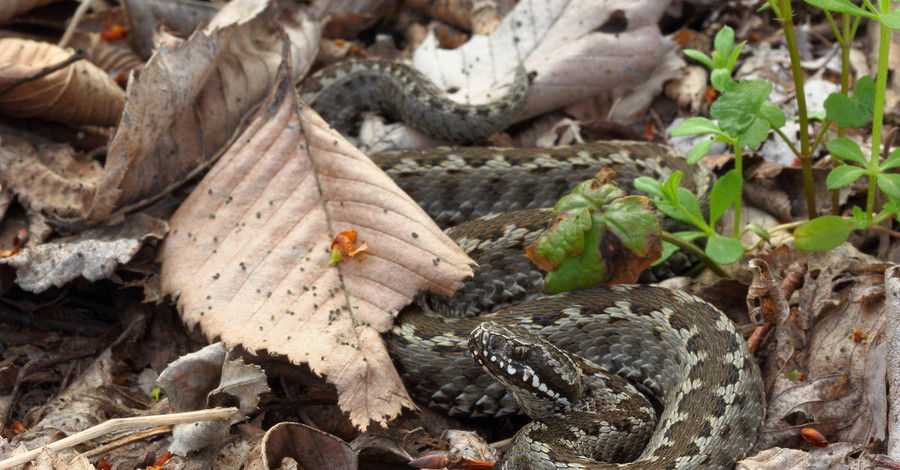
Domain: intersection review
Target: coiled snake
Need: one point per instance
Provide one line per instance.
(680, 349)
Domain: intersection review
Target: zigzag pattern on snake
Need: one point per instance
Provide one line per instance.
(681, 349)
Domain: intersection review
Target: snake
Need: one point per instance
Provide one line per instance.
(615, 377)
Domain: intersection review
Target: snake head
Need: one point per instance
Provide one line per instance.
(544, 379)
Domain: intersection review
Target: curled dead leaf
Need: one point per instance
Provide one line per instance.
(80, 93)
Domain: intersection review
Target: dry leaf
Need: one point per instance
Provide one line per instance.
(249, 249)
(480, 17)
(12, 8)
(115, 57)
(80, 93)
(843, 455)
(578, 48)
(304, 447)
(816, 374)
(207, 379)
(94, 254)
(210, 83)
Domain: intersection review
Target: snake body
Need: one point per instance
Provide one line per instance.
(680, 349)
(341, 91)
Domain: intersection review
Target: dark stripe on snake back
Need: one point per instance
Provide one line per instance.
(341, 91)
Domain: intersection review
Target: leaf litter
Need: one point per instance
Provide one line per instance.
(249, 237)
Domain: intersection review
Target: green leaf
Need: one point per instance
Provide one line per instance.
(670, 188)
(699, 57)
(688, 201)
(720, 78)
(823, 233)
(860, 218)
(773, 114)
(724, 250)
(740, 109)
(696, 126)
(755, 134)
(853, 111)
(846, 149)
(892, 161)
(648, 185)
(734, 55)
(672, 212)
(891, 20)
(889, 183)
(841, 6)
(724, 193)
(632, 221)
(843, 175)
(759, 230)
(699, 150)
(723, 41)
(670, 249)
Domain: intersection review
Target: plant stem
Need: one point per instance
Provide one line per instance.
(739, 167)
(845, 39)
(805, 158)
(884, 48)
(696, 251)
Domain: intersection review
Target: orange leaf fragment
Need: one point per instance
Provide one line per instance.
(815, 438)
(860, 336)
(17, 428)
(345, 244)
(103, 464)
(114, 33)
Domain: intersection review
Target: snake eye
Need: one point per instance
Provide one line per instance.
(520, 353)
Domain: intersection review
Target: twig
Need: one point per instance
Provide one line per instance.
(121, 424)
(124, 441)
(78, 55)
(73, 23)
(879, 228)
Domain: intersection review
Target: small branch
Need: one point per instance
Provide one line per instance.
(879, 228)
(121, 424)
(78, 55)
(73, 23)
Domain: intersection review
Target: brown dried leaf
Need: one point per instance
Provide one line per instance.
(841, 390)
(12, 8)
(80, 93)
(206, 379)
(578, 48)
(249, 250)
(210, 83)
(115, 57)
(303, 447)
(49, 179)
(94, 254)
(480, 17)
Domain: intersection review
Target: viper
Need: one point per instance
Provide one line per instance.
(579, 363)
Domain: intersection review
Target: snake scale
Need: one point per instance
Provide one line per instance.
(551, 356)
